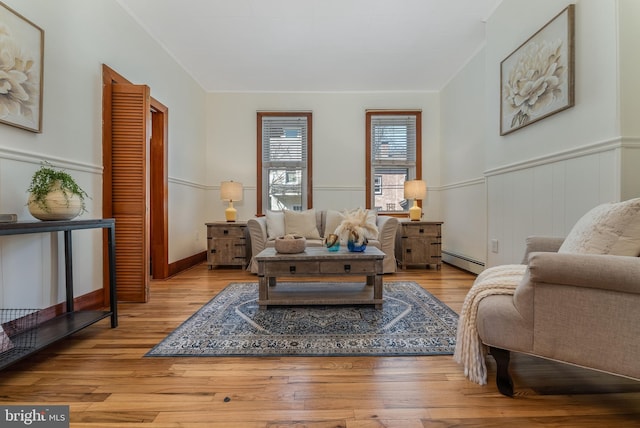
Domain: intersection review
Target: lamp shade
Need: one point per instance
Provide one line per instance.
(231, 191)
(415, 189)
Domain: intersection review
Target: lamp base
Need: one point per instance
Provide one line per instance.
(415, 212)
(230, 213)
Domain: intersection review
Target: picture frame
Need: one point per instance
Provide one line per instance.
(537, 79)
(22, 44)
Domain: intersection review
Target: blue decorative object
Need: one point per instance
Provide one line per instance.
(356, 248)
(334, 247)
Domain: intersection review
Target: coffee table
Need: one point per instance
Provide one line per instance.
(318, 261)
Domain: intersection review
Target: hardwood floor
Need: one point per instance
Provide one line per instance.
(102, 374)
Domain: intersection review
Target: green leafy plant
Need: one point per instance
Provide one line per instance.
(43, 180)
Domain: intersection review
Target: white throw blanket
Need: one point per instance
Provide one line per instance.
(470, 351)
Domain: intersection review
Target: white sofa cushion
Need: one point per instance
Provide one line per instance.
(611, 228)
(275, 224)
(301, 223)
(333, 220)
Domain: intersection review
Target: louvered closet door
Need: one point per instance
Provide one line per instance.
(131, 130)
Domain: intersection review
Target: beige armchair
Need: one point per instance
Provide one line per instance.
(582, 309)
(571, 301)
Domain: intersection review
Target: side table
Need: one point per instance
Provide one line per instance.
(419, 243)
(227, 244)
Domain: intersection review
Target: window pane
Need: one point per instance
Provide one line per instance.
(389, 196)
(393, 138)
(284, 139)
(284, 189)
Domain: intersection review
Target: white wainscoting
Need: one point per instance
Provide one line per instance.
(546, 196)
(464, 237)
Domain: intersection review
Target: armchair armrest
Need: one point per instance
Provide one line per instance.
(387, 226)
(387, 229)
(606, 272)
(548, 244)
(258, 233)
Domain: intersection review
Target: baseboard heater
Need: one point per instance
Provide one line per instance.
(463, 262)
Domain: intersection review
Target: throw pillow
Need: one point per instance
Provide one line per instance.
(612, 228)
(333, 220)
(275, 224)
(301, 223)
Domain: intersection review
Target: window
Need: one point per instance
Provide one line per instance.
(284, 161)
(394, 154)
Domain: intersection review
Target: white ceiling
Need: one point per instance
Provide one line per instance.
(317, 45)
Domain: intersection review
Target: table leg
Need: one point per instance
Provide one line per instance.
(263, 291)
(377, 290)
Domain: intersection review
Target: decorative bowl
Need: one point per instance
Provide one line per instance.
(290, 244)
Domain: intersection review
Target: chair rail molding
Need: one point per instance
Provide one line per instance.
(38, 158)
(589, 149)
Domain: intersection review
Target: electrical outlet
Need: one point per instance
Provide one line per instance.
(494, 245)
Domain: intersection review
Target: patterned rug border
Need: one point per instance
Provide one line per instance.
(389, 340)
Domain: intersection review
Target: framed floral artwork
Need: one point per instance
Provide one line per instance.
(21, 69)
(537, 79)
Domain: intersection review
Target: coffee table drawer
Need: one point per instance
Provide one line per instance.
(283, 268)
(352, 266)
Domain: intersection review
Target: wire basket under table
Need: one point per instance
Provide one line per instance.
(18, 332)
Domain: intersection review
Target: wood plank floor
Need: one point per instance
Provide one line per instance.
(102, 375)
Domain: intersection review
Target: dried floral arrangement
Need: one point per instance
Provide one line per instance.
(356, 228)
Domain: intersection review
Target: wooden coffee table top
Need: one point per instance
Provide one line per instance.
(320, 253)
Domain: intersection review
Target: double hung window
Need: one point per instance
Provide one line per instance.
(394, 155)
(284, 161)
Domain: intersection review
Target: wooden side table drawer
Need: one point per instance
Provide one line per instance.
(421, 230)
(226, 232)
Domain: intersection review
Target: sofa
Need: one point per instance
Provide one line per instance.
(574, 300)
(315, 226)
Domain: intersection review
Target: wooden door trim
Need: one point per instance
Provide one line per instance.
(159, 189)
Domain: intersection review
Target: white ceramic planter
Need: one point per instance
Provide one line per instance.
(60, 206)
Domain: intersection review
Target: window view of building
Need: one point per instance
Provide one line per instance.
(394, 141)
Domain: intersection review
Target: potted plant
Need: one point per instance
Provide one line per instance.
(55, 195)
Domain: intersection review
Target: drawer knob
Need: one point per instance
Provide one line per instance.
(292, 269)
(225, 232)
(347, 268)
(421, 230)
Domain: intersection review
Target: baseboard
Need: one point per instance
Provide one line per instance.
(184, 264)
(463, 262)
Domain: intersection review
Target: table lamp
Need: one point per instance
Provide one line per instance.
(230, 191)
(415, 189)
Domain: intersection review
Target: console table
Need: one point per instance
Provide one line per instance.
(71, 321)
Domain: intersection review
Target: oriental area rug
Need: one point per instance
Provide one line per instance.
(411, 322)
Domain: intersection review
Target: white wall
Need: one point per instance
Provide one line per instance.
(79, 37)
(462, 166)
(338, 144)
(542, 178)
(628, 17)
